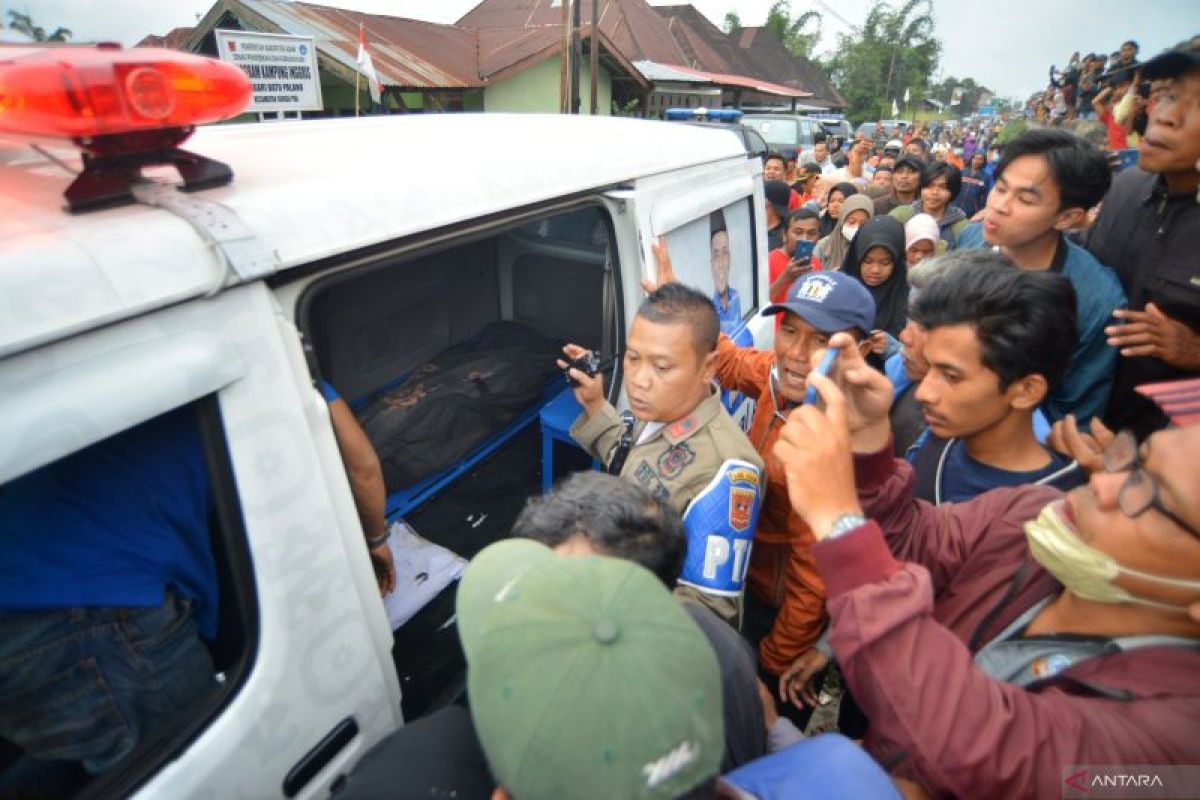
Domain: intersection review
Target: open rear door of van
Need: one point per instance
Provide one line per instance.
(711, 219)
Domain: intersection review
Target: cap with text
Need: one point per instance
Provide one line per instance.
(586, 678)
(830, 302)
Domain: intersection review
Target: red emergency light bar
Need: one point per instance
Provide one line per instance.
(126, 109)
(83, 93)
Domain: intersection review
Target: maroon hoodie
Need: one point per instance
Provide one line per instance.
(918, 590)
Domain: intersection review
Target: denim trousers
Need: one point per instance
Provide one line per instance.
(83, 687)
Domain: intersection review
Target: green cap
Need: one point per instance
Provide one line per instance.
(586, 678)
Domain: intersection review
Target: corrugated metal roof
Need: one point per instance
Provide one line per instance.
(407, 53)
(172, 41)
(764, 48)
(669, 72)
(631, 25)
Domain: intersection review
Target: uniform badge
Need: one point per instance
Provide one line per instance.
(672, 463)
(682, 427)
(741, 506)
(644, 474)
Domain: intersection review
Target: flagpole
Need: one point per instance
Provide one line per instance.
(357, 75)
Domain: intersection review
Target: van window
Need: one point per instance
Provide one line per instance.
(780, 132)
(128, 600)
(716, 254)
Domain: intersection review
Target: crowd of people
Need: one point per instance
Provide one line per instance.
(956, 557)
(1109, 89)
(955, 553)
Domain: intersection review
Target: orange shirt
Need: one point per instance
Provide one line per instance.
(782, 572)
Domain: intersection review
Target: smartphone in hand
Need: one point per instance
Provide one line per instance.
(804, 249)
(824, 368)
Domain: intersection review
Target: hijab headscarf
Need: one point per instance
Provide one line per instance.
(919, 228)
(831, 250)
(827, 222)
(891, 296)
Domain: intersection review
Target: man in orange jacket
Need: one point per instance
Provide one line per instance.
(783, 583)
(785, 597)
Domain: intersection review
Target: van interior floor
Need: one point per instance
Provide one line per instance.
(476, 510)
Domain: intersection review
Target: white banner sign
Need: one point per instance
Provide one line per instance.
(282, 69)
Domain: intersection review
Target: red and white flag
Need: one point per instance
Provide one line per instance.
(367, 67)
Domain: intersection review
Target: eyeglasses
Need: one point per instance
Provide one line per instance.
(1139, 493)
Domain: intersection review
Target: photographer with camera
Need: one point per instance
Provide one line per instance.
(677, 441)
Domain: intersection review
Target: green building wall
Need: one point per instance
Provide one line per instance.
(536, 90)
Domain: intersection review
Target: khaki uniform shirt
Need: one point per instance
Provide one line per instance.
(675, 464)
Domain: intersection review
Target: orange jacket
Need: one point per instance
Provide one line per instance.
(783, 572)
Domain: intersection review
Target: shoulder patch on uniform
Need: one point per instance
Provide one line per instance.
(682, 427)
(672, 463)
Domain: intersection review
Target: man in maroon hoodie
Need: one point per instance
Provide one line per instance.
(1004, 645)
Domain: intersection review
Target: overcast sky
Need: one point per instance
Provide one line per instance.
(1007, 45)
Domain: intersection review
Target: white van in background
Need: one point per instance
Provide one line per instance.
(356, 252)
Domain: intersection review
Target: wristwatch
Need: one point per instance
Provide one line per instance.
(844, 524)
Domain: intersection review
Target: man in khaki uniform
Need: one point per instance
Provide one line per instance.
(679, 442)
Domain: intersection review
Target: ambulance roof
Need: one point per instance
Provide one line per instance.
(308, 190)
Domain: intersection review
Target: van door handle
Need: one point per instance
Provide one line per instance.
(316, 759)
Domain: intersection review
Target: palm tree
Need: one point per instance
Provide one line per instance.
(22, 23)
(791, 31)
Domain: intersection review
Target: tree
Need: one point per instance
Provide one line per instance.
(791, 31)
(895, 49)
(22, 23)
(733, 23)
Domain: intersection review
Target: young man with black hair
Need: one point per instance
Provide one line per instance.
(995, 341)
(679, 442)
(820, 153)
(995, 643)
(917, 148)
(1148, 230)
(803, 225)
(940, 184)
(1128, 55)
(1045, 183)
(774, 167)
(906, 181)
(882, 176)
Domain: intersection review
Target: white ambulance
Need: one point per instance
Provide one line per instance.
(232, 276)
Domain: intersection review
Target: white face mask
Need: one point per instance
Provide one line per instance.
(848, 232)
(1085, 571)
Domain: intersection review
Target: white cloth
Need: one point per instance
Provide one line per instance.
(650, 429)
(423, 569)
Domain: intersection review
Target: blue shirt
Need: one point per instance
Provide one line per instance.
(730, 316)
(961, 477)
(114, 524)
(1084, 390)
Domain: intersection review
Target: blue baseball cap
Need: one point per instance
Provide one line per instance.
(829, 301)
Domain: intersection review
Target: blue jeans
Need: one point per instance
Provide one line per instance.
(85, 686)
